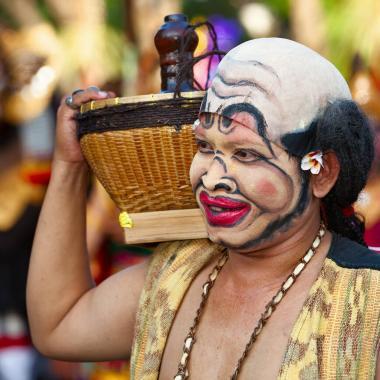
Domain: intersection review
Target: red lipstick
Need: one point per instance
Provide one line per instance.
(223, 211)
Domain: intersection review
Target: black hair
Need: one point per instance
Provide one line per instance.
(344, 129)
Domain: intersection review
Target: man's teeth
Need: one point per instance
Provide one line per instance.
(217, 209)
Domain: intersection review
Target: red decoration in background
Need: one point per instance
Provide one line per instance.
(36, 172)
(348, 211)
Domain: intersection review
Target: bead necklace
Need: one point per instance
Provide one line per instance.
(183, 371)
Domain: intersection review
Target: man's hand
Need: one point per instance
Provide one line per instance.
(67, 145)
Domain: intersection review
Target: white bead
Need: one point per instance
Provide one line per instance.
(298, 269)
(179, 377)
(188, 342)
(316, 242)
(206, 288)
(322, 232)
(278, 297)
(214, 275)
(308, 256)
(223, 260)
(288, 283)
(184, 358)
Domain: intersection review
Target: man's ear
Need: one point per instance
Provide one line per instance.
(324, 181)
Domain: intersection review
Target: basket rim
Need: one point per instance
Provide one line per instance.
(104, 103)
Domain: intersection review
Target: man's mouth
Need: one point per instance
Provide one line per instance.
(223, 211)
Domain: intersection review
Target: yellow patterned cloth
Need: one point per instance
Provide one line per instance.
(335, 336)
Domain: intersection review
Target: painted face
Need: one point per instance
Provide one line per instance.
(245, 187)
(256, 118)
(283, 80)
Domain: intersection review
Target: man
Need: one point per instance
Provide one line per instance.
(281, 147)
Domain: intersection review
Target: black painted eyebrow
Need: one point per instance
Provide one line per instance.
(256, 114)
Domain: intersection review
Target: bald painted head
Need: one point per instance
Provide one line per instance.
(283, 82)
(257, 120)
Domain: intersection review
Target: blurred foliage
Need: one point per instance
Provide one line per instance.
(353, 27)
(205, 8)
(280, 7)
(6, 20)
(115, 13)
(44, 11)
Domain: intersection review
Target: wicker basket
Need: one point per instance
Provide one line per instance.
(140, 148)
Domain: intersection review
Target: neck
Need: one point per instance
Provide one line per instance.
(269, 266)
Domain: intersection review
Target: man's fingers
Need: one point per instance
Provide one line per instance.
(79, 97)
(91, 93)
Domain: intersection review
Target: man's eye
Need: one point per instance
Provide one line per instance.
(244, 155)
(204, 147)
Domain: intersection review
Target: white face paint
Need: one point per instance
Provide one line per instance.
(285, 81)
(259, 108)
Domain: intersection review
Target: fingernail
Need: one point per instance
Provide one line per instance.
(103, 94)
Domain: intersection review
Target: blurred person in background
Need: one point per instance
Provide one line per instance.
(21, 193)
(275, 175)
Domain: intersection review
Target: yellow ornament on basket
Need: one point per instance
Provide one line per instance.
(125, 220)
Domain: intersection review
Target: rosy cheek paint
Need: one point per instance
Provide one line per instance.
(266, 188)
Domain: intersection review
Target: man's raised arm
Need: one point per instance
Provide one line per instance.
(69, 317)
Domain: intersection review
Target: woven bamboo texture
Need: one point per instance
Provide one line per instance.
(143, 169)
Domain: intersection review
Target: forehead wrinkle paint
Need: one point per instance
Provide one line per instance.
(301, 80)
(221, 84)
(263, 66)
(247, 66)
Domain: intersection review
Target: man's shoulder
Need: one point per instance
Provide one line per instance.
(351, 255)
(183, 253)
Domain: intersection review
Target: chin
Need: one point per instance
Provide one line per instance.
(230, 238)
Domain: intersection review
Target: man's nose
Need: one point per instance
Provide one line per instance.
(216, 178)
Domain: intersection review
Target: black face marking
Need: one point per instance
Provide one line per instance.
(203, 107)
(224, 125)
(237, 191)
(232, 109)
(218, 186)
(268, 161)
(239, 83)
(208, 120)
(222, 186)
(219, 152)
(265, 67)
(220, 96)
(301, 142)
(220, 160)
(254, 63)
(281, 224)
